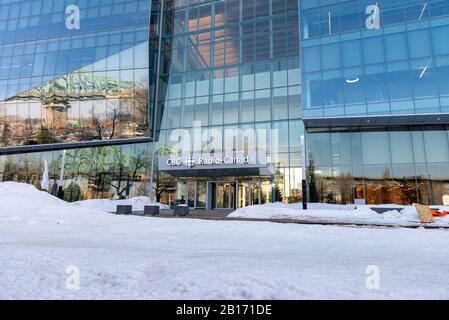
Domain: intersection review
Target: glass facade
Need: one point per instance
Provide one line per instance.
(233, 64)
(371, 61)
(365, 81)
(406, 165)
(99, 172)
(73, 71)
(354, 68)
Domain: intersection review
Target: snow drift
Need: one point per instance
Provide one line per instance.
(337, 213)
(19, 201)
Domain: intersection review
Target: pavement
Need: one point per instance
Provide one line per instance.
(222, 215)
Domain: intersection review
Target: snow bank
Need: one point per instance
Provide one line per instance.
(19, 201)
(24, 202)
(337, 213)
(110, 205)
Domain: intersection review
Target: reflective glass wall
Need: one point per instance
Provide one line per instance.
(365, 57)
(402, 165)
(234, 64)
(90, 173)
(73, 70)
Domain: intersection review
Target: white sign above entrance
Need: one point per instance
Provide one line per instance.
(218, 164)
(191, 161)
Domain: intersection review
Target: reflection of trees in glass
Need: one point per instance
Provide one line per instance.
(89, 173)
(408, 192)
(73, 193)
(126, 170)
(102, 169)
(6, 136)
(45, 135)
(278, 181)
(386, 188)
(163, 182)
(423, 190)
(277, 194)
(106, 129)
(345, 184)
(25, 168)
(141, 105)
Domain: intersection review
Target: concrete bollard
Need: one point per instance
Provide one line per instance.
(151, 211)
(124, 210)
(181, 211)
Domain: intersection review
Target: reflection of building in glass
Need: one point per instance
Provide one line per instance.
(116, 113)
(369, 91)
(66, 89)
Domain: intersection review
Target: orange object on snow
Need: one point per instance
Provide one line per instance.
(437, 214)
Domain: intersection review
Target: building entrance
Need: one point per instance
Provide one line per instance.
(230, 193)
(223, 195)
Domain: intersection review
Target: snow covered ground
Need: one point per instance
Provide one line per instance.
(335, 213)
(44, 242)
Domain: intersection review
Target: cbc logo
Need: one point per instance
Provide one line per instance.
(174, 162)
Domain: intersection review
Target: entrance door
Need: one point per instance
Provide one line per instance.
(224, 195)
(249, 193)
(191, 194)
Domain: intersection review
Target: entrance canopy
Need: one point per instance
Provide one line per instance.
(216, 166)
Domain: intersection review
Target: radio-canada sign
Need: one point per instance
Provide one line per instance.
(216, 165)
(191, 161)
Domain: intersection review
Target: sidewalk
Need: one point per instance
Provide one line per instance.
(222, 215)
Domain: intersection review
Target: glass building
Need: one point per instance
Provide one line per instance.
(226, 65)
(206, 101)
(375, 100)
(112, 87)
(74, 75)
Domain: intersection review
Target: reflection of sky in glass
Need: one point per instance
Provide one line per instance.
(394, 70)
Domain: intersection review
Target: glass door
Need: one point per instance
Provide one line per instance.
(224, 195)
(244, 194)
(191, 194)
(255, 193)
(201, 194)
(249, 193)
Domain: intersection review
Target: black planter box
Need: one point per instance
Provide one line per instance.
(181, 211)
(124, 210)
(151, 210)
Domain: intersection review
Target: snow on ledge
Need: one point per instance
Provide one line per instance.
(335, 213)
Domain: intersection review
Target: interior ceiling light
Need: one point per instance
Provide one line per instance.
(352, 80)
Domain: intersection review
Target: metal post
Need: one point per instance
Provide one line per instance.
(156, 96)
(61, 176)
(304, 173)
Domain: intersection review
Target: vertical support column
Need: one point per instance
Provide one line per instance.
(156, 97)
(304, 172)
(237, 195)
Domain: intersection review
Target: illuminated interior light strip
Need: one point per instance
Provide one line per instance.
(422, 11)
(354, 80)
